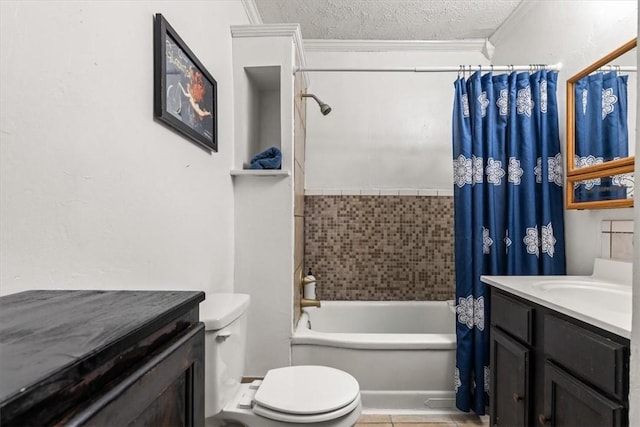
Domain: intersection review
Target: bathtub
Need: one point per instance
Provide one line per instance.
(401, 352)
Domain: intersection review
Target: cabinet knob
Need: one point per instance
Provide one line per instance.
(517, 398)
(544, 420)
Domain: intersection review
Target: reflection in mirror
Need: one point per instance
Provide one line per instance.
(601, 123)
(598, 190)
(604, 113)
(615, 187)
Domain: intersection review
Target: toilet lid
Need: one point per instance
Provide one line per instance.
(307, 390)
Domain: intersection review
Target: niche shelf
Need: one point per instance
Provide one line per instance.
(260, 121)
(260, 172)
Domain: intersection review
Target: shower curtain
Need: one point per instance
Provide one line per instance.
(507, 202)
(601, 132)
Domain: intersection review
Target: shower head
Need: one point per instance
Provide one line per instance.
(324, 108)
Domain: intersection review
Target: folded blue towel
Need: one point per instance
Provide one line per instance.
(268, 159)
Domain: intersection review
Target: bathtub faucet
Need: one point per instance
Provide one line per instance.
(309, 303)
(308, 290)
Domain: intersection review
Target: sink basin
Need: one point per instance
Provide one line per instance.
(607, 296)
(577, 285)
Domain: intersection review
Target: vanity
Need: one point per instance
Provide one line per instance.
(103, 358)
(560, 348)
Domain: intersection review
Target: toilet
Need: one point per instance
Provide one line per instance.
(314, 396)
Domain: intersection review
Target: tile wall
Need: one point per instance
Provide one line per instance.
(299, 137)
(380, 247)
(617, 240)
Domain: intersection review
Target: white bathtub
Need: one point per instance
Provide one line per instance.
(401, 352)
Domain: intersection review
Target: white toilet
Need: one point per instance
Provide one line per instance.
(314, 396)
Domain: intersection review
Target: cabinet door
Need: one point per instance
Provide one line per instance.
(569, 402)
(509, 396)
(167, 390)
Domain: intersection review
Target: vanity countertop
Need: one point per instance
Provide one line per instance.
(602, 300)
(51, 339)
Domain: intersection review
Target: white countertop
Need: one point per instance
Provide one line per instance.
(602, 300)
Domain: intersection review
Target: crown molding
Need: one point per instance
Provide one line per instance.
(252, 11)
(488, 49)
(318, 45)
(275, 30)
(266, 30)
(522, 10)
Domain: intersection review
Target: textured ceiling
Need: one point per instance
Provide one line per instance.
(389, 19)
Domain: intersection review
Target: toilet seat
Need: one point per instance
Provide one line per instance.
(306, 394)
(306, 419)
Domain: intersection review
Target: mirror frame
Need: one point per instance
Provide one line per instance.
(612, 167)
(571, 203)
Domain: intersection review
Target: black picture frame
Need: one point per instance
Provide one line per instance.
(185, 94)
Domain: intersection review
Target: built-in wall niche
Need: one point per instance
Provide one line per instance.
(261, 128)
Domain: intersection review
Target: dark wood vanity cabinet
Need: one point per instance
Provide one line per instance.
(549, 369)
(101, 358)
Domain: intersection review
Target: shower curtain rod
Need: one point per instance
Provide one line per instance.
(624, 68)
(442, 69)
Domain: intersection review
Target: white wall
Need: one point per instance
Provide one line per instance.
(264, 268)
(385, 130)
(264, 227)
(575, 33)
(634, 387)
(93, 192)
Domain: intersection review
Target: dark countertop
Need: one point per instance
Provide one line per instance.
(46, 333)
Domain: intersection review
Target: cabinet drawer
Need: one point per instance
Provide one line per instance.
(593, 358)
(512, 316)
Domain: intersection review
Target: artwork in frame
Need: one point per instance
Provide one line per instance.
(185, 93)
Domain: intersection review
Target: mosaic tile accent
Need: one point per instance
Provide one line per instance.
(380, 247)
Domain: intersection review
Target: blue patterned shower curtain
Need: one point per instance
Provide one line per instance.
(601, 132)
(507, 201)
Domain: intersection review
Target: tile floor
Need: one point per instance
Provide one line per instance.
(422, 421)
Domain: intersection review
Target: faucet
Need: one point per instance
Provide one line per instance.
(304, 302)
(308, 302)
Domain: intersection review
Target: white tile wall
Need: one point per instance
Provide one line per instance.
(622, 246)
(378, 192)
(617, 239)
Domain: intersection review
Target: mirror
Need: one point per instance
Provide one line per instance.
(601, 113)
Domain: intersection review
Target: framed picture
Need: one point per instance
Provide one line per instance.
(185, 94)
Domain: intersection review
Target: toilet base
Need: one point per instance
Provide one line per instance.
(233, 415)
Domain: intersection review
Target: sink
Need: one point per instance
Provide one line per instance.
(607, 296)
(581, 285)
(602, 299)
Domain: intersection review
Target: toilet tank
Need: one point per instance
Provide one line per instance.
(225, 319)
